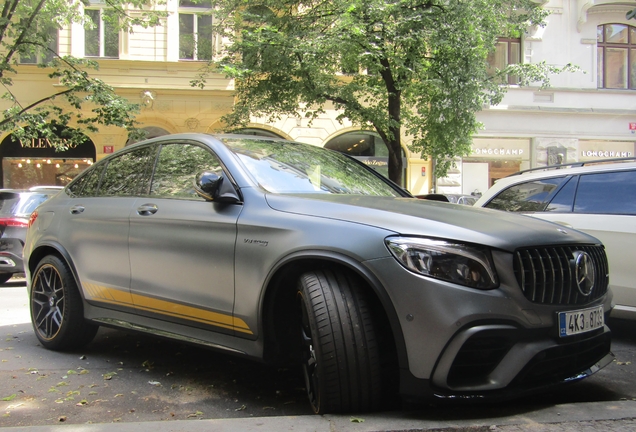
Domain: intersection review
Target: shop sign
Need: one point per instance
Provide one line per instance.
(44, 143)
(373, 162)
(109, 149)
(606, 154)
(497, 152)
(632, 126)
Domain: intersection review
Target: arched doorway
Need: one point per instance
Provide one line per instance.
(38, 163)
(368, 148)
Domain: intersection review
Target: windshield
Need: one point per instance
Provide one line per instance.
(287, 167)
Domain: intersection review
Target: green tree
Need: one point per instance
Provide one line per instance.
(414, 67)
(27, 32)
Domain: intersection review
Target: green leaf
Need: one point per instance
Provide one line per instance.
(9, 398)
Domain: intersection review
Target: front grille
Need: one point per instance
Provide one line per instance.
(546, 274)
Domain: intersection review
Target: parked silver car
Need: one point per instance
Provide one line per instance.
(286, 252)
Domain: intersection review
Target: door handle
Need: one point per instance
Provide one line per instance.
(77, 209)
(147, 209)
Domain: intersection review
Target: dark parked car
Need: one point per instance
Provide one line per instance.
(289, 253)
(15, 209)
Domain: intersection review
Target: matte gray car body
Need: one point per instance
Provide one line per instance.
(229, 274)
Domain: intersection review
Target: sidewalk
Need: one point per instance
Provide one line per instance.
(595, 416)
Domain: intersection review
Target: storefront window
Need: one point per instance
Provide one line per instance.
(23, 173)
(368, 148)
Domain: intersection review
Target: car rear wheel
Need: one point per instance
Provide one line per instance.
(57, 312)
(340, 356)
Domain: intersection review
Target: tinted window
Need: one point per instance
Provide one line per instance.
(607, 193)
(86, 184)
(129, 173)
(564, 199)
(532, 196)
(177, 168)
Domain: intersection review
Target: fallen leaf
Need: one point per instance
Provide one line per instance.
(9, 398)
(154, 383)
(241, 408)
(356, 420)
(62, 418)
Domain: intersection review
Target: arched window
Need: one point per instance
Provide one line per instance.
(616, 45)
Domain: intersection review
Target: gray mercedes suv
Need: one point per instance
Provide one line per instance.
(289, 253)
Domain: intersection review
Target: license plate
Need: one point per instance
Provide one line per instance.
(580, 321)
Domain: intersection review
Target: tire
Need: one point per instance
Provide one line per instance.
(4, 277)
(57, 312)
(340, 356)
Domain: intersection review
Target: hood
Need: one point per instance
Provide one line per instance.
(416, 217)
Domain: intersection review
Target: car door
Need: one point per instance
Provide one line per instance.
(97, 226)
(182, 247)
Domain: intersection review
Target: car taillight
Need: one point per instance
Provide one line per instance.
(32, 218)
(14, 222)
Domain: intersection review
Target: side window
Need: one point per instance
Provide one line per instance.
(86, 184)
(607, 193)
(564, 199)
(177, 168)
(129, 173)
(532, 196)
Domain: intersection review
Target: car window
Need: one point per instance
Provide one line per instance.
(289, 167)
(177, 167)
(607, 193)
(129, 173)
(86, 184)
(31, 202)
(531, 196)
(564, 199)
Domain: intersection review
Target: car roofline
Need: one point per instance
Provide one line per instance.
(574, 165)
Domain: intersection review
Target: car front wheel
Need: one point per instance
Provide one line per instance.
(339, 349)
(57, 312)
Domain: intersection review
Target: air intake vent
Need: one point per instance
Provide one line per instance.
(547, 275)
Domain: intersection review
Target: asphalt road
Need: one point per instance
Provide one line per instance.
(124, 377)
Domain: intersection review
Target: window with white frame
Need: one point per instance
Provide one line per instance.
(616, 56)
(195, 30)
(102, 40)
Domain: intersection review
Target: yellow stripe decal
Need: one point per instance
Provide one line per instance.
(149, 304)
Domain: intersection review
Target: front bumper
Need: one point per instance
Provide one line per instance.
(464, 343)
(494, 362)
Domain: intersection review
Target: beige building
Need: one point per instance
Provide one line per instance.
(154, 67)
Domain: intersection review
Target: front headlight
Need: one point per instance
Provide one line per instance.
(462, 264)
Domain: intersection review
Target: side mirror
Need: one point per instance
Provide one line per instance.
(212, 187)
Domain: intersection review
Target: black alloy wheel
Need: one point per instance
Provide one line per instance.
(57, 312)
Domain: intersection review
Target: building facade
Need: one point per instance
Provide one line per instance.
(154, 67)
(588, 114)
(585, 115)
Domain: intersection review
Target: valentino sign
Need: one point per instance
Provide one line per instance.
(44, 143)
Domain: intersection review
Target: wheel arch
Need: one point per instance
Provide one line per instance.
(51, 249)
(279, 295)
